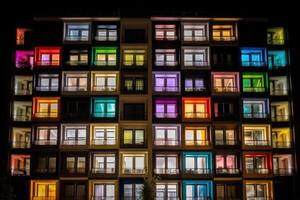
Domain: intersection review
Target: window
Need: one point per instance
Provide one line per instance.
(45, 164)
(105, 56)
(166, 108)
(134, 57)
(224, 56)
(255, 82)
(167, 190)
(225, 33)
(165, 32)
(283, 164)
(134, 163)
(43, 189)
(196, 108)
(277, 59)
(281, 138)
(103, 163)
(256, 135)
(47, 83)
(24, 59)
(279, 85)
(225, 82)
(166, 135)
(134, 111)
(74, 135)
(133, 136)
(104, 82)
(78, 57)
(195, 57)
(45, 135)
(166, 164)
(20, 165)
(46, 107)
(229, 190)
(106, 33)
(76, 32)
(197, 190)
(280, 111)
(224, 110)
(165, 57)
(196, 136)
(197, 163)
(258, 190)
(257, 163)
(253, 57)
(226, 164)
(22, 111)
(21, 34)
(104, 190)
(75, 164)
(255, 108)
(104, 135)
(21, 138)
(195, 32)
(104, 107)
(75, 81)
(166, 82)
(276, 36)
(74, 191)
(133, 83)
(225, 137)
(47, 56)
(23, 85)
(194, 84)
(135, 34)
(133, 191)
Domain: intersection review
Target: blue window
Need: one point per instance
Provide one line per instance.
(197, 190)
(197, 163)
(277, 59)
(104, 107)
(253, 57)
(255, 108)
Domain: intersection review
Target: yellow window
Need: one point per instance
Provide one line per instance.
(128, 59)
(128, 137)
(139, 60)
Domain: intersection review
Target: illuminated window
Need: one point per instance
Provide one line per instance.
(283, 164)
(47, 56)
(134, 57)
(45, 135)
(133, 136)
(225, 136)
(255, 108)
(23, 85)
(196, 136)
(21, 34)
(106, 33)
(21, 111)
(78, 57)
(103, 163)
(280, 111)
(196, 108)
(258, 190)
(168, 135)
(20, 165)
(226, 164)
(194, 84)
(165, 32)
(75, 164)
(279, 85)
(104, 190)
(104, 107)
(253, 57)
(24, 59)
(277, 59)
(197, 163)
(105, 82)
(43, 189)
(47, 82)
(75, 81)
(256, 135)
(276, 36)
(257, 163)
(76, 32)
(195, 189)
(195, 32)
(165, 57)
(21, 138)
(166, 81)
(281, 137)
(225, 81)
(224, 33)
(74, 135)
(134, 83)
(166, 108)
(195, 57)
(168, 190)
(104, 135)
(166, 164)
(134, 163)
(45, 107)
(105, 56)
(254, 82)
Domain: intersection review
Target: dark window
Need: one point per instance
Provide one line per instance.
(135, 36)
(134, 111)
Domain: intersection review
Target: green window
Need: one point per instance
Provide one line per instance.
(105, 56)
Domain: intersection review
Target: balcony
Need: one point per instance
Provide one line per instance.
(195, 63)
(255, 115)
(200, 115)
(45, 170)
(254, 89)
(194, 171)
(74, 142)
(105, 63)
(74, 197)
(46, 114)
(226, 142)
(283, 171)
(133, 116)
(166, 115)
(280, 118)
(279, 92)
(133, 171)
(257, 142)
(22, 117)
(20, 172)
(75, 38)
(44, 198)
(168, 142)
(166, 63)
(75, 88)
(195, 89)
(224, 38)
(103, 141)
(45, 142)
(197, 142)
(169, 171)
(46, 88)
(75, 170)
(253, 63)
(21, 144)
(257, 171)
(25, 91)
(106, 88)
(226, 89)
(259, 198)
(166, 89)
(227, 171)
(167, 198)
(103, 198)
(283, 145)
(103, 170)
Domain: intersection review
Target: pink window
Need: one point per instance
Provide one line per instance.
(166, 109)
(24, 59)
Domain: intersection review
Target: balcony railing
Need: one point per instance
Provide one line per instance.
(224, 115)
(103, 141)
(166, 142)
(254, 89)
(200, 198)
(46, 114)
(20, 172)
(45, 142)
(257, 142)
(200, 115)
(275, 41)
(257, 171)
(133, 171)
(105, 88)
(205, 171)
(134, 115)
(279, 92)
(168, 171)
(103, 198)
(44, 198)
(72, 38)
(165, 37)
(226, 142)
(26, 91)
(77, 62)
(225, 89)
(105, 63)
(45, 170)
(195, 38)
(283, 171)
(166, 63)
(20, 144)
(255, 115)
(134, 89)
(280, 118)
(166, 88)
(286, 144)
(24, 117)
(197, 142)
(75, 170)
(195, 63)
(224, 38)
(167, 198)
(78, 197)
(103, 170)
(106, 38)
(133, 142)
(81, 141)
(48, 62)
(104, 115)
(166, 115)
(253, 63)
(75, 88)
(195, 89)
(227, 171)
(46, 88)
(134, 63)
(258, 198)
(132, 197)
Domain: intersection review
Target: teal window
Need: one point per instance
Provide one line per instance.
(253, 57)
(197, 162)
(277, 59)
(197, 190)
(104, 107)
(255, 108)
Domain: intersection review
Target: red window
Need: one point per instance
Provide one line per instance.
(47, 56)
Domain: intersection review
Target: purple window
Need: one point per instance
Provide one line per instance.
(24, 59)
(194, 85)
(166, 82)
(166, 109)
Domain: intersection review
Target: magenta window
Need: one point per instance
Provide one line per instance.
(24, 59)
(166, 108)
(166, 82)
(226, 163)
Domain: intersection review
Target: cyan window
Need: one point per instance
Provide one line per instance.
(104, 107)
(276, 59)
(197, 190)
(253, 57)
(197, 162)
(255, 108)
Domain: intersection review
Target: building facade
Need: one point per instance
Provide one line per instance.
(199, 107)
